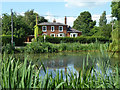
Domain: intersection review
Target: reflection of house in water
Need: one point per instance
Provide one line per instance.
(56, 64)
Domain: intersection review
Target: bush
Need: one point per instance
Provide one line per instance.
(6, 39)
(39, 47)
(81, 39)
(8, 48)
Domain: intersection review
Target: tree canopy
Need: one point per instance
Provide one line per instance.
(115, 45)
(103, 20)
(30, 19)
(22, 25)
(116, 9)
(84, 23)
(21, 29)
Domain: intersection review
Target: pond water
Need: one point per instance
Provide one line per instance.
(72, 61)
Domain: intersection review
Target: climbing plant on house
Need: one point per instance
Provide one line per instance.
(36, 31)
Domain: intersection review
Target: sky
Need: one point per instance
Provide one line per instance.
(53, 9)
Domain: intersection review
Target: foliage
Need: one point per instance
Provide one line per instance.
(114, 46)
(16, 74)
(84, 23)
(30, 19)
(103, 20)
(20, 28)
(103, 31)
(8, 48)
(36, 31)
(38, 47)
(95, 30)
(6, 39)
(116, 9)
(81, 39)
(22, 25)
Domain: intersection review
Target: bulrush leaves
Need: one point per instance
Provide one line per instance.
(16, 74)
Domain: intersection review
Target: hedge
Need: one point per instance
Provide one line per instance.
(6, 39)
(81, 39)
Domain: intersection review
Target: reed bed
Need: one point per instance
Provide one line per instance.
(38, 47)
(16, 74)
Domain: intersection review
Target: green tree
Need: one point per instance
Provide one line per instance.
(84, 23)
(116, 9)
(115, 45)
(30, 19)
(103, 20)
(106, 31)
(95, 30)
(20, 27)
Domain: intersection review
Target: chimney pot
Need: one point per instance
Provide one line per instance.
(54, 21)
(65, 20)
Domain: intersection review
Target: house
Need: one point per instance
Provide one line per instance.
(57, 29)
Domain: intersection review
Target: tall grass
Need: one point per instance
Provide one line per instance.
(16, 74)
(38, 47)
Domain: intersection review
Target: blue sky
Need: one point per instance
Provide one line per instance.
(67, 8)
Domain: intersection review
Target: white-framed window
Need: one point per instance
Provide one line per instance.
(73, 34)
(61, 35)
(52, 34)
(44, 34)
(60, 28)
(44, 28)
(52, 29)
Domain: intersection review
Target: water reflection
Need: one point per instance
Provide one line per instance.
(69, 61)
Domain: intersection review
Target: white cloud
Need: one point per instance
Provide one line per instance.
(97, 17)
(84, 3)
(22, 13)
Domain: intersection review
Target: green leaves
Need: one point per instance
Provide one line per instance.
(103, 20)
(84, 23)
(16, 74)
(116, 9)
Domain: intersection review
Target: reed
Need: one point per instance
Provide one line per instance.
(38, 47)
(16, 74)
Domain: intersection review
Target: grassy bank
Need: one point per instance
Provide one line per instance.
(16, 74)
(38, 47)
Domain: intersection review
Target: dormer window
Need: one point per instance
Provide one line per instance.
(52, 29)
(60, 28)
(44, 28)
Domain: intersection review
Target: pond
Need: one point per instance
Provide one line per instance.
(66, 61)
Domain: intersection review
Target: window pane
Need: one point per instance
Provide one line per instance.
(60, 34)
(60, 28)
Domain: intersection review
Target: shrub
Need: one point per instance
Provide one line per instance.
(39, 47)
(6, 39)
(8, 48)
(81, 39)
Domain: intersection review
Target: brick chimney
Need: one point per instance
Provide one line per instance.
(54, 21)
(65, 20)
